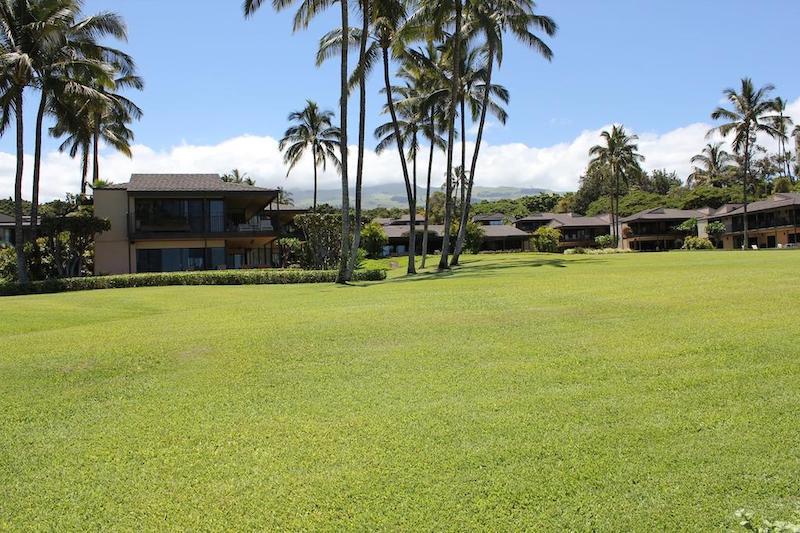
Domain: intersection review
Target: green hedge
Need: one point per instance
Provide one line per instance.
(208, 277)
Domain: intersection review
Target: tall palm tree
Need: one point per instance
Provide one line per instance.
(619, 155)
(748, 116)
(796, 135)
(73, 55)
(311, 130)
(22, 37)
(782, 124)
(307, 11)
(492, 19)
(711, 164)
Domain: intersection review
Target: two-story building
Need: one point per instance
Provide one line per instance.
(576, 230)
(772, 223)
(656, 229)
(173, 222)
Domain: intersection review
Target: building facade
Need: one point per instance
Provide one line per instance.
(174, 222)
(654, 230)
(576, 231)
(772, 223)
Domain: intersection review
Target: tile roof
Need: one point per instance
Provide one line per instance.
(664, 213)
(493, 216)
(396, 231)
(184, 183)
(783, 199)
(504, 230)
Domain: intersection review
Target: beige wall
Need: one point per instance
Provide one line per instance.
(111, 252)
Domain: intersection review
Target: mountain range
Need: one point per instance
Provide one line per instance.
(394, 195)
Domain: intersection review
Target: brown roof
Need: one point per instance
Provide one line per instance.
(501, 231)
(664, 213)
(396, 231)
(184, 183)
(493, 216)
(783, 199)
(6, 218)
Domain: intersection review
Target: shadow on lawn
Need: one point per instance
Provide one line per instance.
(473, 268)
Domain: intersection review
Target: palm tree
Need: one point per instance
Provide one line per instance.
(311, 130)
(234, 176)
(21, 41)
(73, 55)
(711, 164)
(492, 19)
(796, 135)
(782, 123)
(619, 155)
(747, 117)
(308, 10)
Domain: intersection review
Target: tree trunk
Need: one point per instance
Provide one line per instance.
(95, 156)
(412, 207)
(463, 176)
(428, 193)
(314, 158)
(37, 164)
(84, 168)
(362, 128)
(462, 230)
(19, 236)
(344, 258)
(454, 85)
(746, 242)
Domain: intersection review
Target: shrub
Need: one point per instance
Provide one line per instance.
(605, 241)
(546, 239)
(575, 251)
(373, 239)
(606, 251)
(697, 243)
(208, 277)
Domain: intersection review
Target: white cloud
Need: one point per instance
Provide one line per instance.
(555, 167)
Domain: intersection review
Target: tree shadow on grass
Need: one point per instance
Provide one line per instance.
(481, 268)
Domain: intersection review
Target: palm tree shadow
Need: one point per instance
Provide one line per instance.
(473, 268)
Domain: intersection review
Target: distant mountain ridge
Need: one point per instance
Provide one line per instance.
(394, 195)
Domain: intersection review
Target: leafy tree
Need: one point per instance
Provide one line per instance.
(311, 130)
(373, 239)
(546, 239)
(715, 230)
(709, 196)
(688, 226)
(566, 204)
(605, 241)
(321, 234)
(748, 116)
(662, 181)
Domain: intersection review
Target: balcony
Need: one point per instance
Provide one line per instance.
(211, 226)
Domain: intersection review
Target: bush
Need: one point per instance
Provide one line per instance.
(575, 251)
(606, 251)
(697, 243)
(546, 239)
(605, 241)
(373, 239)
(208, 277)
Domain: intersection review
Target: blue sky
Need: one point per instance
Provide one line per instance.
(212, 76)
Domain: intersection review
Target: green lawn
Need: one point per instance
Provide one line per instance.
(624, 392)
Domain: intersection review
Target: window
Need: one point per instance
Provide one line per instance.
(176, 259)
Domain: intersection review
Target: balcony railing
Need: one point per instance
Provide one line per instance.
(213, 224)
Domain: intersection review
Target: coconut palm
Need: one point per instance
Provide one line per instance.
(73, 55)
(619, 156)
(307, 11)
(749, 115)
(782, 124)
(311, 130)
(235, 176)
(492, 19)
(710, 165)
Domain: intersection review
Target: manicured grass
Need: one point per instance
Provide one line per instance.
(631, 392)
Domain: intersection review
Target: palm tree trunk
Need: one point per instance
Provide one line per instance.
(462, 230)
(454, 85)
(746, 241)
(463, 155)
(428, 193)
(37, 165)
(344, 259)
(19, 236)
(412, 207)
(314, 159)
(96, 156)
(362, 128)
(84, 168)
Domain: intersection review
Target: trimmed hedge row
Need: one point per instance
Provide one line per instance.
(207, 277)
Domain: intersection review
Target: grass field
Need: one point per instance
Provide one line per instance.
(627, 392)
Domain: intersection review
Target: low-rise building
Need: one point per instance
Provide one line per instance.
(8, 228)
(173, 222)
(576, 230)
(772, 223)
(656, 229)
